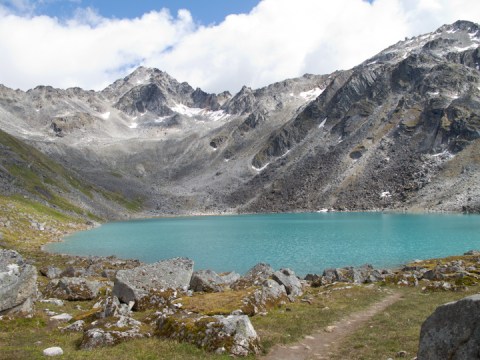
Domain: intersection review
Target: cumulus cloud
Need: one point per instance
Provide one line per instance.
(87, 50)
(276, 40)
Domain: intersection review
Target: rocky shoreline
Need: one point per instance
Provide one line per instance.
(122, 289)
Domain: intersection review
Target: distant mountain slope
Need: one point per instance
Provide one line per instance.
(399, 131)
(26, 172)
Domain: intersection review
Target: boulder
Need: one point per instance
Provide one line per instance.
(360, 275)
(18, 283)
(229, 278)
(472, 253)
(254, 277)
(206, 281)
(329, 276)
(53, 351)
(314, 280)
(434, 274)
(112, 331)
(287, 278)
(261, 300)
(73, 272)
(51, 272)
(62, 317)
(77, 326)
(143, 283)
(452, 331)
(56, 302)
(72, 288)
(111, 306)
(95, 337)
(233, 334)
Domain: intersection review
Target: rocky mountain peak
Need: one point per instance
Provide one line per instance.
(463, 25)
(399, 130)
(458, 37)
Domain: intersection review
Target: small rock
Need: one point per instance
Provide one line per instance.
(53, 351)
(56, 302)
(472, 252)
(62, 317)
(330, 328)
(401, 354)
(77, 326)
(51, 272)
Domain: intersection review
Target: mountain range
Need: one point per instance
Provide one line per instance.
(400, 131)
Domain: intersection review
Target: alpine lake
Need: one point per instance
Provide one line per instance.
(303, 242)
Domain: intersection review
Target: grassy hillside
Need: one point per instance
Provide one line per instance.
(27, 172)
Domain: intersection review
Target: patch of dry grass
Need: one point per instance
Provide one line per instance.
(222, 303)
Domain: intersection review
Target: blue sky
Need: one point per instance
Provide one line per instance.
(91, 44)
(203, 11)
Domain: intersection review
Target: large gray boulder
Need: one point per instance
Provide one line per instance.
(143, 282)
(18, 283)
(270, 294)
(233, 334)
(254, 277)
(51, 272)
(287, 278)
(229, 278)
(452, 331)
(206, 281)
(73, 289)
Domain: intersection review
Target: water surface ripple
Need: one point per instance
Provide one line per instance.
(306, 243)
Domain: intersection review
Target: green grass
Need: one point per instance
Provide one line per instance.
(30, 336)
(397, 328)
(48, 181)
(294, 321)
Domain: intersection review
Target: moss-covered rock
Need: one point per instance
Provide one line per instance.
(73, 289)
(232, 334)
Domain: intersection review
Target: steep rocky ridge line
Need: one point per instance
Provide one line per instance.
(398, 131)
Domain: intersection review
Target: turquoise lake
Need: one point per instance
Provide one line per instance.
(306, 243)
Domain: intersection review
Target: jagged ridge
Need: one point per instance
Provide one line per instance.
(399, 130)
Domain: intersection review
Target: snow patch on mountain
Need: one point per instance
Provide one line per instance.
(311, 94)
(260, 169)
(195, 112)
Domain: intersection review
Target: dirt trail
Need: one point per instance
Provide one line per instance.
(324, 341)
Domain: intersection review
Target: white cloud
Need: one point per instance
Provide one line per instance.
(278, 39)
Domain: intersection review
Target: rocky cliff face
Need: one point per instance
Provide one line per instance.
(399, 131)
